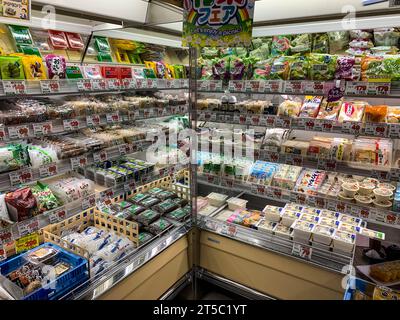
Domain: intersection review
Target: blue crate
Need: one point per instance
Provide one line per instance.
(77, 275)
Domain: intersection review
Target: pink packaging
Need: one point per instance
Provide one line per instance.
(56, 66)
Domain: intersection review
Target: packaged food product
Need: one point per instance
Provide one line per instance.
(343, 241)
(289, 217)
(216, 199)
(262, 69)
(236, 204)
(323, 234)
(56, 66)
(44, 197)
(21, 35)
(280, 45)
(41, 254)
(11, 68)
(338, 41)
(110, 72)
(301, 44)
(386, 272)
(302, 231)
(166, 206)
(147, 217)
(289, 108)
(352, 111)
(310, 181)
(322, 66)
(320, 43)
(345, 68)
(75, 40)
(116, 250)
(4, 216)
(282, 231)
(280, 68)
(159, 226)
(330, 110)
(177, 214)
(393, 115)
(310, 107)
(92, 72)
(73, 72)
(375, 114)
(21, 204)
(102, 44)
(299, 68)
(58, 39)
(385, 293)
(386, 37)
(33, 67)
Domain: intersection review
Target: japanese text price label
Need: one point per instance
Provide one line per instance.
(352, 127)
(377, 129)
(2, 133)
(79, 162)
(3, 254)
(131, 84)
(270, 120)
(394, 131)
(58, 215)
(27, 242)
(293, 87)
(284, 122)
(356, 88)
(114, 84)
(14, 87)
(302, 251)
(124, 149)
(106, 195)
(236, 86)
(215, 85)
(379, 88)
(84, 85)
(6, 236)
(101, 156)
(93, 120)
(28, 226)
(327, 165)
(89, 202)
(21, 177)
(99, 84)
(48, 170)
(323, 125)
(275, 86)
(71, 124)
(229, 230)
(40, 129)
(50, 86)
(255, 86)
(19, 132)
(113, 117)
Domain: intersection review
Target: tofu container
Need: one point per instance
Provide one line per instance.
(282, 231)
(217, 199)
(351, 220)
(236, 204)
(302, 231)
(330, 214)
(328, 222)
(272, 213)
(266, 226)
(289, 217)
(323, 235)
(311, 211)
(343, 242)
(309, 218)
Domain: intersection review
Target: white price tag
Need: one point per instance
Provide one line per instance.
(273, 86)
(19, 132)
(124, 149)
(57, 215)
(84, 85)
(293, 87)
(270, 120)
(327, 165)
(309, 124)
(100, 156)
(130, 84)
(377, 129)
(6, 236)
(40, 129)
(255, 120)
(161, 83)
(14, 87)
(229, 230)
(271, 156)
(302, 251)
(113, 117)
(89, 202)
(255, 86)
(79, 162)
(21, 177)
(99, 84)
(283, 122)
(294, 160)
(106, 195)
(356, 88)
(323, 125)
(152, 83)
(50, 86)
(352, 127)
(395, 174)
(114, 84)
(48, 170)
(236, 86)
(28, 226)
(71, 124)
(93, 120)
(229, 183)
(394, 131)
(185, 83)
(140, 83)
(215, 85)
(379, 88)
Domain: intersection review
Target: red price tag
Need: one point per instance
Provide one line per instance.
(84, 85)
(71, 124)
(140, 84)
(273, 86)
(50, 86)
(14, 87)
(131, 84)
(309, 124)
(113, 117)
(255, 86)
(293, 87)
(21, 177)
(255, 120)
(242, 119)
(40, 129)
(3, 254)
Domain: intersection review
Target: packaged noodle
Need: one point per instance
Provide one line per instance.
(298, 66)
(301, 44)
(310, 107)
(330, 110)
(320, 43)
(44, 197)
(352, 111)
(322, 66)
(289, 108)
(375, 114)
(393, 115)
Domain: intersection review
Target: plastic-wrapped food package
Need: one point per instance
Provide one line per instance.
(320, 43)
(301, 44)
(260, 53)
(320, 147)
(361, 44)
(13, 157)
(330, 110)
(371, 67)
(75, 40)
(322, 66)
(393, 115)
(384, 50)
(72, 189)
(391, 67)
(280, 68)
(338, 41)
(289, 108)
(361, 34)
(262, 69)
(159, 226)
(56, 66)
(92, 72)
(375, 113)
(310, 107)
(286, 177)
(373, 152)
(352, 111)
(40, 156)
(4, 216)
(280, 45)
(295, 147)
(21, 204)
(345, 68)
(237, 68)
(44, 197)
(220, 68)
(58, 39)
(33, 67)
(116, 250)
(386, 37)
(274, 137)
(310, 181)
(11, 68)
(298, 68)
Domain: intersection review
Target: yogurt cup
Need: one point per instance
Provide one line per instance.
(383, 195)
(350, 189)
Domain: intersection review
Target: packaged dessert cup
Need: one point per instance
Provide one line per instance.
(350, 189)
(366, 188)
(383, 195)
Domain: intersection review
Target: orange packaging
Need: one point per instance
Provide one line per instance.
(376, 114)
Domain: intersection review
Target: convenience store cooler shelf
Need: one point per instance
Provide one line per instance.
(318, 256)
(380, 130)
(352, 168)
(303, 87)
(100, 285)
(27, 175)
(12, 88)
(56, 127)
(367, 213)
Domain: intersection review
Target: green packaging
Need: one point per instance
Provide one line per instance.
(74, 72)
(21, 35)
(11, 68)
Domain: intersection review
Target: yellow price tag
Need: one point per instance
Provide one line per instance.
(26, 243)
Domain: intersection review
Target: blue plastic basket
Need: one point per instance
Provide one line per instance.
(77, 275)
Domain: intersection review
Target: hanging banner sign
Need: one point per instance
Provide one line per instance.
(217, 23)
